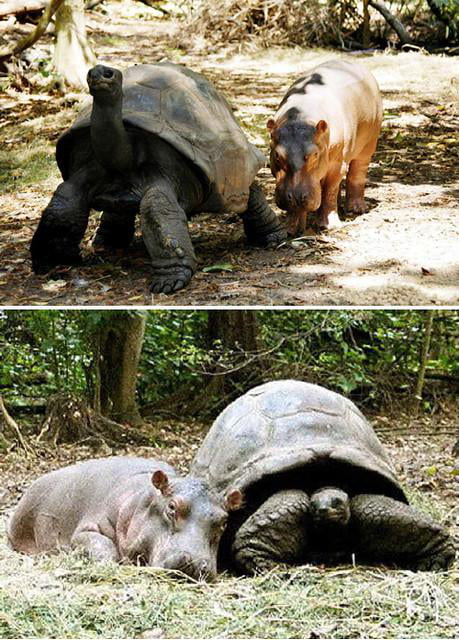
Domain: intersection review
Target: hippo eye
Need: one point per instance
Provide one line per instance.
(171, 510)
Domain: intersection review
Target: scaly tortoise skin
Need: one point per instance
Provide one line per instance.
(160, 140)
(318, 485)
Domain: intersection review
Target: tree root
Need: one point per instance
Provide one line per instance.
(14, 428)
(69, 419)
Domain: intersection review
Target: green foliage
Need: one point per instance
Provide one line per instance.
(371, 356)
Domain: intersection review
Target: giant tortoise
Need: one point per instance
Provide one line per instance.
(318, 485)
(159, 139)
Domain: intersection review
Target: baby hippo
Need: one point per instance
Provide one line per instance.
(135, 510)
(326, 128)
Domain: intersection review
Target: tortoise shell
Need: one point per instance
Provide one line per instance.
(183, 108)
(297, 434)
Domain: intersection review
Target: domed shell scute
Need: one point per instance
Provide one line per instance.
(284, 426)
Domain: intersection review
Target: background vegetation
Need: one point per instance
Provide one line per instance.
(195, 362)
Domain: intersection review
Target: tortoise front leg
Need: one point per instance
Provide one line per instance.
(62, 225)
(261, 225)
(275, 533)
(165, 233)
(389, 530)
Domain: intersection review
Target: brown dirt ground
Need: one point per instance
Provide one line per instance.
(420, 450)
(404, 251)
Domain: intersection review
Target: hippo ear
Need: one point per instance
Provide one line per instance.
(161, 482)
(321, 127)
(233, 500)
(270, 124)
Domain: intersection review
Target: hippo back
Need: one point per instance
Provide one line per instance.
(290, 426)
(183, 108)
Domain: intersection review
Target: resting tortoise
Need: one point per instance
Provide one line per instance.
(161, 140)
(318, 485)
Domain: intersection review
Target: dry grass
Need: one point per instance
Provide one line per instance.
(67, 596)
(270, 22)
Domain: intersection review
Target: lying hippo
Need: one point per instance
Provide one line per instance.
(125, 510)
(326, 128)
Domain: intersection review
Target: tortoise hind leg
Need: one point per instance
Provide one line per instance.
(389, 530)
(275, 533)
(261, 225)
(115, 230)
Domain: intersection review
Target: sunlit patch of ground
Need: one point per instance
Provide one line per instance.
(404, 251)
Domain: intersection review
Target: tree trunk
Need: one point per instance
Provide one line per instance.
(236, 363)
(118, 348)
(73, 55)
(425, 347)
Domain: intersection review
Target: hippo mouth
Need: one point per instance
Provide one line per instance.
(297, 222)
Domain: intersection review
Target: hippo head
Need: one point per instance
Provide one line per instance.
(299, 159)
(180, 524)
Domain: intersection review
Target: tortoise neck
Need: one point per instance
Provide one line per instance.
(109, 138)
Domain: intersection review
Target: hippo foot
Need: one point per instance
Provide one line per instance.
(330, 221)
(175, 279)
(356, 207)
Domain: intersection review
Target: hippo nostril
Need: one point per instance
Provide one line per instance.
(203, 567)
(290, 198)
(108, 73)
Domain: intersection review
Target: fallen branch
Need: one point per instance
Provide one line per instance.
(16, 7)
(14, 427)
(391, 20)
(30, 39)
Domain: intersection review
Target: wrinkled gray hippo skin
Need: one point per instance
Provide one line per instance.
(123, 509)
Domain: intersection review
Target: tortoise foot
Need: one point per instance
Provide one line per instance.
(175, 279)
(441, 560)
(45, 265)
(270, 239)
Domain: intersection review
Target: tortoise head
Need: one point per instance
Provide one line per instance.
(105, 83)
(330, 506)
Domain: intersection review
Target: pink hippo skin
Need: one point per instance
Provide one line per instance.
(326, 128)
(125, 510)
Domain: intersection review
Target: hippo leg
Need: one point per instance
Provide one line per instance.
(261, 225)
(165, 233)
(355, 181)
(275, 533)
(328, 210)
(116, 230)
(389, 530)
(96, 545)
(62, 225)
